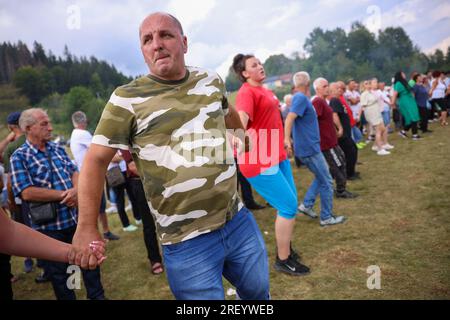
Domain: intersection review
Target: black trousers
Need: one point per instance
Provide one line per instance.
(246, 188)
(120, 198)
(57, 272)
(413, 127)
(423, 111)
(336, 161)
(6, 292)
(136, 193)
(351, 154)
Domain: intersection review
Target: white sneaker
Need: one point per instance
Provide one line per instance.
(307, 211)
(138, 222)
(130, 228)
(332, 221)
(112, 209)
(383, 152)
(375, 148)
(388, 147)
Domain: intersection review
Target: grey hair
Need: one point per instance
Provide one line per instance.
(317, 81)
(301, 79)
(79, 117)
(286, 97)
(27, 118)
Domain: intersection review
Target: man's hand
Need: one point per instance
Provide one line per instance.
(288, 146)
(70, 197)
(132, 167)
(86, 251)
(11, 136)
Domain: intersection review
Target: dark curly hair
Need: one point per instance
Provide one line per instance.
(239, 65)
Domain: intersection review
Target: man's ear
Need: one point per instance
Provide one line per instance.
(185, 44)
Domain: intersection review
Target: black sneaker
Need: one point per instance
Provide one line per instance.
(416, 137)
(294, 254)
(42, 278)
(110, 236)
(291, 266)
(403, 134)
(346, 195)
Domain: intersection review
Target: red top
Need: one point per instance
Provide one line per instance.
(328, 136)
(265, 129)
(349, 111)
(126, 155)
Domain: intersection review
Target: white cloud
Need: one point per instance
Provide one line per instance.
(443, 45)
(190, 12)
(283, 14)
(6, 19)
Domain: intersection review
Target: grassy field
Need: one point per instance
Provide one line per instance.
(400, 222)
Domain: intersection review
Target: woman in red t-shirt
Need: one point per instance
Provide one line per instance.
(265, 165)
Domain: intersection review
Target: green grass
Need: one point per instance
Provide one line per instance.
(401, 223)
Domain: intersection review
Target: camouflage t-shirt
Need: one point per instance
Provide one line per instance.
(176, 134)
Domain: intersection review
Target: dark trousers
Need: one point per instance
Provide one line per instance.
(57, 272)
(246, 188)
(412, 126)
(351, 154)
(423, 119)
(6, 292)
(336, 161)
(138, 201)
(120, 198)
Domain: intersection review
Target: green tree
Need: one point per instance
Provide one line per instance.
(29, 81)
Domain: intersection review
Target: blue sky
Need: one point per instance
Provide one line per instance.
(216, 29)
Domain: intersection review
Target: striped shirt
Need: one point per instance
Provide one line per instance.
(30, 168)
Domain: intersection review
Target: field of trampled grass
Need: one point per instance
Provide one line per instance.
(400, 222)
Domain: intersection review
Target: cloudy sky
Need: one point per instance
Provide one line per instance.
(216, 29)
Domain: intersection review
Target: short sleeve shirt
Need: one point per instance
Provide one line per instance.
(265, 129)
(306, 127)
(30, 167)
(80, 140)
(328, 137)
(341, 111)
(175, 131)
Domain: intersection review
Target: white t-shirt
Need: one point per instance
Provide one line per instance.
(439, 91)
(356, 108)
(384, 100)
(80, 140)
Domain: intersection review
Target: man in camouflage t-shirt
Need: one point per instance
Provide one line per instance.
(174, 122)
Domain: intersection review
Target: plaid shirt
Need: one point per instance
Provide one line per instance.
(30, 168)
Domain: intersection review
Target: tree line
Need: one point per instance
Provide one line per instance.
(60, 84)
(358, 54)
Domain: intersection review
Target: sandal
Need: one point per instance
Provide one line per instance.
(157, 268)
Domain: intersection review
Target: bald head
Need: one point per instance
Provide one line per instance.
(156, 15)
(334, 89)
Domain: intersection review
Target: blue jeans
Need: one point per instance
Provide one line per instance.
(356, 134)
(58, 272)
(386, 117)
(322, 184)
(237, 251)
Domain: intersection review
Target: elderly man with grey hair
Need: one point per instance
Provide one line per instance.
(302, 123)
(42, 172)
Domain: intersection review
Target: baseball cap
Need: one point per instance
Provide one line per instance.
(13, 118)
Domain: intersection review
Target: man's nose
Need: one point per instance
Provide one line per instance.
(157, 43)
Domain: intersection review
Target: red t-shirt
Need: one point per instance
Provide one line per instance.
(349, 111)
(328, 136)
(265, 129)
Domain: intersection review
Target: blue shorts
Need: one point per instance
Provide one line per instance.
(276, 185)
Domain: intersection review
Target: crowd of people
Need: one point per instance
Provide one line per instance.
(162, 140)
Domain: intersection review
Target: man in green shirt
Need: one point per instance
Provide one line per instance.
(18, 209)
(174, 123)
